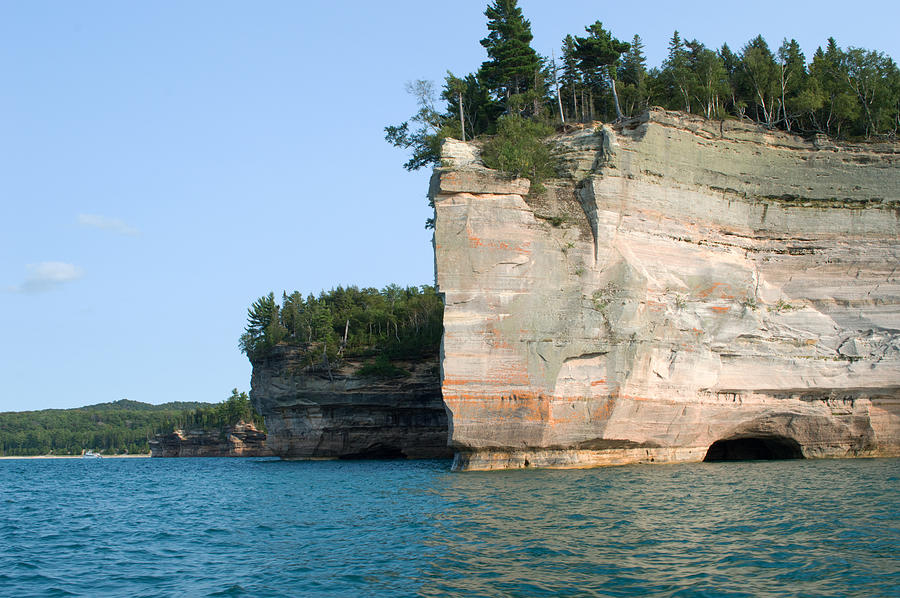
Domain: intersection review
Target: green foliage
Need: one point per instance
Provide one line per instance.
(598, 58)
(401, 323)
(632, 80)
(519, 150)
(425, 139)
(119, 427)
(845, 94)
(848, 94)
(601, 298)
(513, 76)
(264, 327)
(873, 78)
(759, 80)
(676, 77)
(480, 111)
(781, 305)
(572, 88)
(709, 82)
(512, 62)
(114, 428)
(598, 53)
(235, 409)
(382, 368)
(557, 221)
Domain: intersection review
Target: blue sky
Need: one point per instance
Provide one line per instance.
(163, 164)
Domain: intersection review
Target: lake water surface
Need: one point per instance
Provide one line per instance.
(249, 527)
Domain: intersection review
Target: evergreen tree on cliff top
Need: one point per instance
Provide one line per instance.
(633, 78)
(598, 57)
(513, 62)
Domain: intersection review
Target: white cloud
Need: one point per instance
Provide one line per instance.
(46, 276)
(103, 223)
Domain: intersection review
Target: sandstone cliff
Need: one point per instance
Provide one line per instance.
(339, 414)
(687, 288)
(242, 440)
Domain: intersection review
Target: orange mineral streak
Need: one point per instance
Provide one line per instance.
(522, 406)
(721, 290)
(510, 377)
(528, 407)
(719, 309)
(602, 410)
(476, 242)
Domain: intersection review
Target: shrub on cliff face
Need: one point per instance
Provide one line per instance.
(520, 150)
(382, 368)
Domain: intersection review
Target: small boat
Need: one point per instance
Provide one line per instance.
(91, 455)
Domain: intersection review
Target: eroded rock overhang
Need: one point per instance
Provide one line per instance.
(683, 282)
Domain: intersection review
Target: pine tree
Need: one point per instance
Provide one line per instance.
(598, 58)
(829, 72)
(263, 325)
(455, 88)
(513, 62)
(571, 76)
(633, 77)
(677, 75)
(731, 62)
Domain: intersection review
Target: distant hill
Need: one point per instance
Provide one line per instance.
(129, 405)
(122, 426)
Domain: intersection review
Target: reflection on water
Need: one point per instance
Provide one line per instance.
(245, 527)
(813, 528)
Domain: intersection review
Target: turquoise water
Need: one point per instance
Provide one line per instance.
(248, 527)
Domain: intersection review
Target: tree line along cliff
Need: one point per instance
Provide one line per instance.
(845, 93)
(118, 427)
(350, 373)
(375, 326)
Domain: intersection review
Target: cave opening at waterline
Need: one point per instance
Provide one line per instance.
(754, 449)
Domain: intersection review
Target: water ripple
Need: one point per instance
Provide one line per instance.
(246, 527)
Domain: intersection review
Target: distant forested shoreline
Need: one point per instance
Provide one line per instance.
(119, 427)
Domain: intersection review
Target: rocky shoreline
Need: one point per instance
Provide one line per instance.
(241, 440)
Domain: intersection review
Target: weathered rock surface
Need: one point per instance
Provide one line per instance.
(242, 440)
(684, 283)
(337, 414)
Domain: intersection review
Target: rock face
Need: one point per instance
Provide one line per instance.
(321, 415)
(686, 289)
(242, 440)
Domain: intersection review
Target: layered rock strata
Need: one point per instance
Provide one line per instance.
(241, 440)
(684, 286)
(329, 414)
